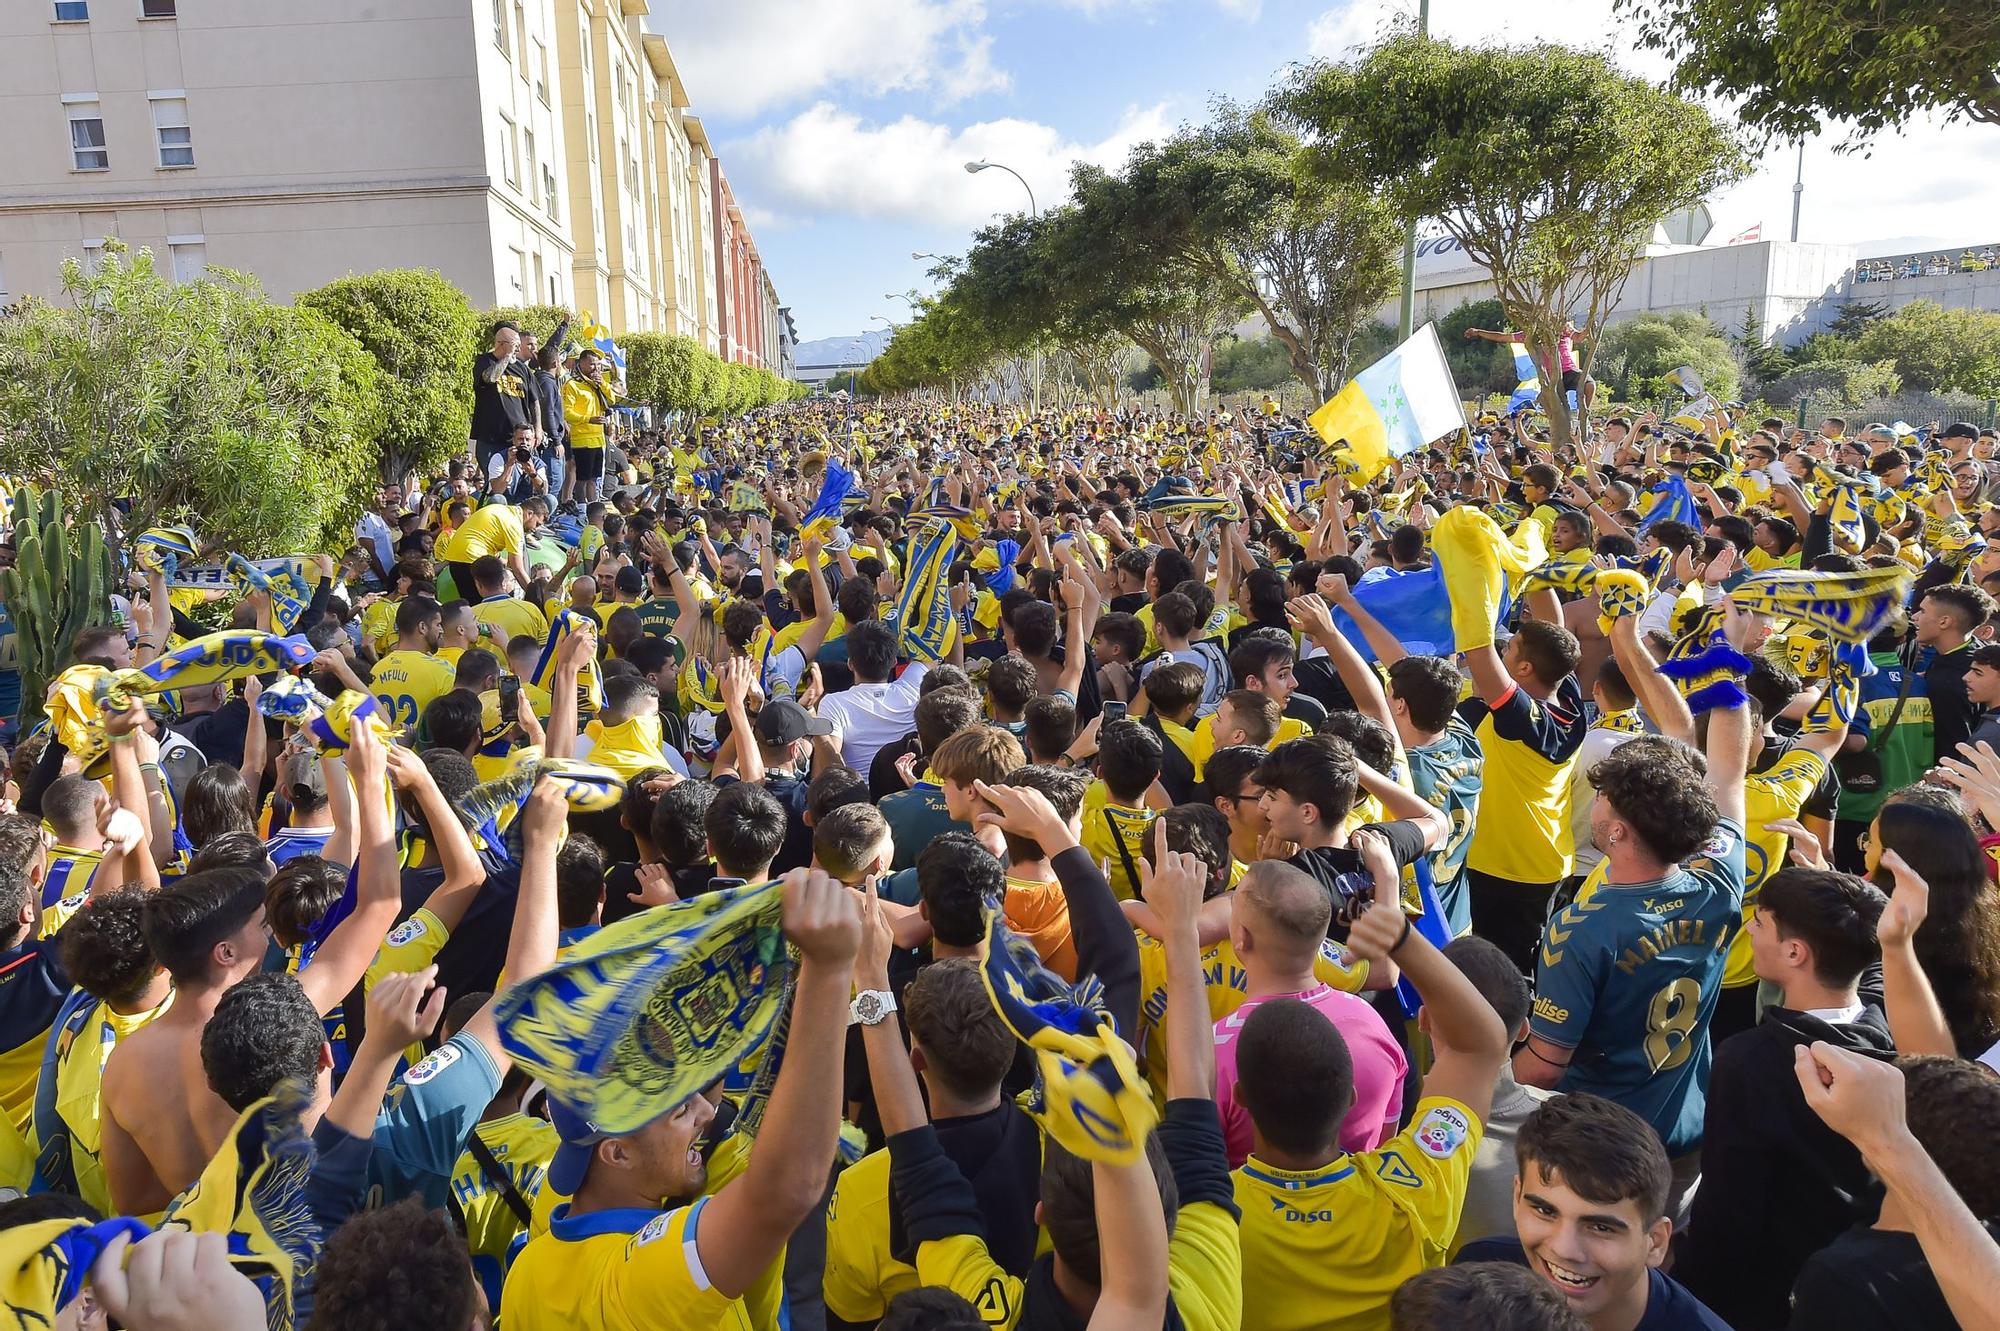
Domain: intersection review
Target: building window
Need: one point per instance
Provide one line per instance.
(520, 275)
(93, 255)
(72, 11)
(590, 132)
(549, 190)
(510, 151)
(190, 258)
(528, 159)
(86, 137)
(541, 71)
(555, 291)
(170, 126)
(158, 8)
(521, 36)
(500, 26)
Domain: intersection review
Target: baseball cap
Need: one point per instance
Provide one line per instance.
(785, 722)
(579, 1142)
(630, 579)
(1960, 430)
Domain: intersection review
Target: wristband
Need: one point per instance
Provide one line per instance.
(117, 739)
(1401, 938)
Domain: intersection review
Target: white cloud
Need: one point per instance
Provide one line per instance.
(1338, 33)
(742, 57)
(827, 161)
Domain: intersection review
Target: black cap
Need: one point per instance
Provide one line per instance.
(783, 721)
(630, 579)
(1960, 430)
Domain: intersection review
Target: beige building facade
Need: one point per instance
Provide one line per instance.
(532, 151)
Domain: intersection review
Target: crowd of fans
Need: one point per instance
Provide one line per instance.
(1505, 984)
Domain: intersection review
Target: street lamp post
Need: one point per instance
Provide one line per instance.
(1408, 314)
(974, 168)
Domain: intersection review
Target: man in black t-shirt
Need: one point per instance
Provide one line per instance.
(502, 414)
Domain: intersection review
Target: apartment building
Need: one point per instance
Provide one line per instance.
(530, 150)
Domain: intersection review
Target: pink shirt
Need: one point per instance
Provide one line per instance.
(1379, 1067)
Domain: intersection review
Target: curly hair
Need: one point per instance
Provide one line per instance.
(1659, 787)
(103, 947)
(1951, 1103)
(264, 1031)
(1959, 941)
(401, 1266)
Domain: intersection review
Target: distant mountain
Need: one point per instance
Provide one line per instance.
(856, 349)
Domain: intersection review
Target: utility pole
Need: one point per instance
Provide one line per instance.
(1798, 189)
(1408, 322)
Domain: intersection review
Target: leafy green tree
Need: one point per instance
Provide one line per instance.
(670, 371)
(1245, 366)
(541, 320)
(418, 327)
(1477, 367)
(1788, 67)
(1835, 383)
(1549, 166)
(1636, 355)
(199, 401)
(1953, 351)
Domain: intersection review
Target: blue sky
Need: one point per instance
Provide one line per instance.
(843, 124)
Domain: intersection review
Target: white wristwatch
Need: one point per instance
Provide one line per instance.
(870, 1007)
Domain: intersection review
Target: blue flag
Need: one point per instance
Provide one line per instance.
(1673, 501)
(825, 513)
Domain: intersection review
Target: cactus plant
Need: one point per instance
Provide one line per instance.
(59, 585)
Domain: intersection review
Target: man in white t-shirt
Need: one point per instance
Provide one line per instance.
(876, 710)
(377, 531)
(1617, 721)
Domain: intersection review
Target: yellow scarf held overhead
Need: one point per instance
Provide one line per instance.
(1479, 563)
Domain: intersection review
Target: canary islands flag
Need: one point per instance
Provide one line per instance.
(1394, 407)
(825, 513)
(1529, 386)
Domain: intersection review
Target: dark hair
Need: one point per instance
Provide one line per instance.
(843, 840)
(1605, 1153)
(489, 574)
(1318, 770)
(579, 881)
(1051, 725)
(239, 848)
(1498, 980)
(1550, 650)
(455, 720)
(679, 823)
(1128, 759)
(1674, 536)
(1373, 742)
(1257, 713)
(1294, 1076)
(1491, 1296)
(1063, 787)
(1122, 630)
(216, 800)
(1951, 1105)
(871, 651)
(1959, 943)
(400, 1266)
(942, 713)
(1266, 587)
(1658, 785)
(1069, 1203)
(1832, 913)
(1011, 682)
(1229, 768)
(299, 895)
(650, 655)
(264, 1031)
(1969, 606)
(1170, 568)
(967, 1048)
(1034, 628)
(90, 642)
(478, 670)
(39, 1207)
(103, 947)
(745, 826)
(1429, 687)
(930, 1308)
(412, 614)
(834, 788)
(186, 919)
(1173, 687)
(1175, 614)
(959, 880)
(1199, 830)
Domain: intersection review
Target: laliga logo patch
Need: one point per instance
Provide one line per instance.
(406, 932)
(1442, 1132)
(655, 1228)
(439, 1059)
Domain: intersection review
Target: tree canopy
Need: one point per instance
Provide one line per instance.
(1636, 355)
(1549, 166)
(417, 326)
(1791, 66)
(199, 401)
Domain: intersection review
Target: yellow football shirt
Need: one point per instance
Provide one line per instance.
(492, 530)
(522, 1146)
(1522, 832)
(1101, 819)
(510, 618)
(1324, 1249)
(1289, 727)
(406, 682)
(1768, 797)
